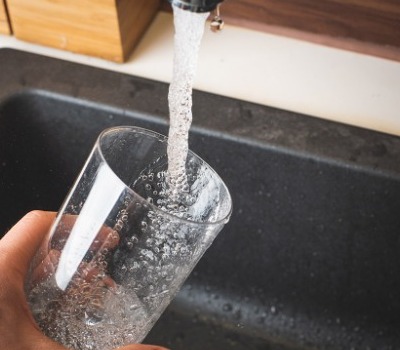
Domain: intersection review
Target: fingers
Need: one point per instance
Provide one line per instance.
(107, 238)
(90, 272)
(46, 262)
(19, 245)
(46, 268)
(17, 249)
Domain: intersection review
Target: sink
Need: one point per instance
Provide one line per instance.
(311, 256)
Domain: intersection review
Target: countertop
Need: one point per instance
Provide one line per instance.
(268, 69)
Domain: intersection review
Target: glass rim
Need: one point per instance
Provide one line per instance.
(163, 138)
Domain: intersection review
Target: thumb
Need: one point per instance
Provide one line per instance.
(141, 347)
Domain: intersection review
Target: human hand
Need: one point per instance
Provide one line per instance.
(18, 330)
(90, 273)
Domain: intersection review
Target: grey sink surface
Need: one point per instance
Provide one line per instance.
(311, 256)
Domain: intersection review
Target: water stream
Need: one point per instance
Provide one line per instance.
(189, 29)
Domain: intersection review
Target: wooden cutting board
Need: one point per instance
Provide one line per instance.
(105, 28)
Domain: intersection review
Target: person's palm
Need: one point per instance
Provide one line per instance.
(18, 330)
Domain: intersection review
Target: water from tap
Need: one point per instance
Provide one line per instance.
(189, 29)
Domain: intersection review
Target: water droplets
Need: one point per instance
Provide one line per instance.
(227, 307)
(147, 254)
(273, 310)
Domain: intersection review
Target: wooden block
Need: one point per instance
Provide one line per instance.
(4, 24)
(105, 28)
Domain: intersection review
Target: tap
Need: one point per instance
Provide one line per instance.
(196, 5)
(217, 22)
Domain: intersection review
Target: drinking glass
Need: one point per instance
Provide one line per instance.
(119, 249)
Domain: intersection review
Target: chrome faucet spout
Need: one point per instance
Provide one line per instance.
(196, 5)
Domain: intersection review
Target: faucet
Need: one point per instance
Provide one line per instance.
(196, 5)
(217, 22)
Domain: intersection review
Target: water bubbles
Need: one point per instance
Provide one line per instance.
(169, 277)
(227, 307)
(81, 319)
(148, 254)
(165, 256)
(135, 266)
(166, 248)
(184, 251)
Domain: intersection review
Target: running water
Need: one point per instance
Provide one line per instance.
(189, 29)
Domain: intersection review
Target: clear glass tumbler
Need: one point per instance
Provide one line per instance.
(119, 250)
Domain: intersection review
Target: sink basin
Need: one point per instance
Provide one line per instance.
(311, 256)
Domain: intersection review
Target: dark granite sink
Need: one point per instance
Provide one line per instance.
(311, 256)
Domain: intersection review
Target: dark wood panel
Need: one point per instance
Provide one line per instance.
(371, 21)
